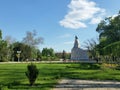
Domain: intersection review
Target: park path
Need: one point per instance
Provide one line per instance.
(74, 84)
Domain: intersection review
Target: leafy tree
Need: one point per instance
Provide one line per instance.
(25, 51)
(113, 51)
(39, 55)
(92, 48)
(32, 73)
(31, 39)
(0, 34)
(10, 42)
(109, 29)
(47, 52)
(64, 55)
(3, 49)
(33, 53)
(60, 55)
(9, 48)
(9, 39)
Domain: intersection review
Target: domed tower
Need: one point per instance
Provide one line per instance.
(77, 53)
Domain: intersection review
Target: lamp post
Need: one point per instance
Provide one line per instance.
(18, 55)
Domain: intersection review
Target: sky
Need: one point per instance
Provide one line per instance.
(57, 21)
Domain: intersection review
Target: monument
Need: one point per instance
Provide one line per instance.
(77, 53)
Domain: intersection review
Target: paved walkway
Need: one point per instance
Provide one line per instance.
(73, 84)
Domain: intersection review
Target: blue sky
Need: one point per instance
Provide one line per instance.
(57, 21)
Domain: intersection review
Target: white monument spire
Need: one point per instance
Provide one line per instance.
(76, 43)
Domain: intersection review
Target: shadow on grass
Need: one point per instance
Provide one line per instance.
(85, 66)
(34, 87)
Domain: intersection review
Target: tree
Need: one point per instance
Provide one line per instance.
(64, 55)
(109, 29)
(31, 39)
(0, 35)
(25, 51)
(9, 40)
(32, 73)
(109, 37)
(39, 55)
(113, 51)
(3, 49)
(92, 48)
(48, 52)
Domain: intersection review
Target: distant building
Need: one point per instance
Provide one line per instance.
(77, 53)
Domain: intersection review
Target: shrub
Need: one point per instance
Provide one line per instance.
(32, 73)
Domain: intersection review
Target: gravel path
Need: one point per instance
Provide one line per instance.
(73, 84)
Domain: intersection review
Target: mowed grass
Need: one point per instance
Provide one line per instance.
(12, 76)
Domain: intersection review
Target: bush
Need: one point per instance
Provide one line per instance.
(32, 73)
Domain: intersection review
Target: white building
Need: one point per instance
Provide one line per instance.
(77, 53)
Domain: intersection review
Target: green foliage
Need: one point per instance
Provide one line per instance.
(109, 38)
(25, 51)
(61, 55)
(48, 52)
(112, 49)
(0, 34)
(31, 39)
(112, 53)
(39, 55)
(32, 73)
(33, 53)
(110, 29)
(3, 51)
(64, 55)
(92, 48)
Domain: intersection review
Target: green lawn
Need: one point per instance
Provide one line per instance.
(12, 76)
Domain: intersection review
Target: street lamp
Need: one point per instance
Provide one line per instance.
(18, 55)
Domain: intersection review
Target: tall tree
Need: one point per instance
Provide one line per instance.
(48, 52)
(10, 39)
(3, 49)
(109, 29)
(92, 48)
(24, 49)
(63, 55)
(0, 34)
(39, 55)
(31, 39)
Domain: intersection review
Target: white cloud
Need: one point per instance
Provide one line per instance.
(95, 20)
(65, 36)
(81, 11)
(74, 24)
(113, 16)
(68, 43)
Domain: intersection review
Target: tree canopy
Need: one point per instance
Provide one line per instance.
(31, 39)
(109, 30)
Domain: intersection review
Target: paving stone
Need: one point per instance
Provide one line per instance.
(73, 84)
